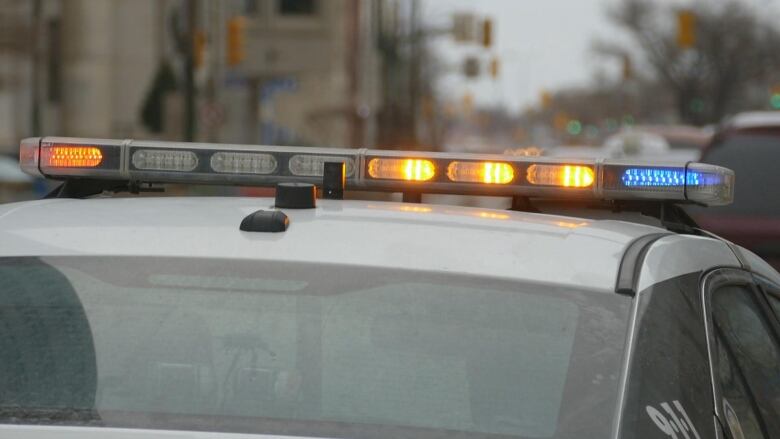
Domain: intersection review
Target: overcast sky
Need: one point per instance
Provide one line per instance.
(543, 45)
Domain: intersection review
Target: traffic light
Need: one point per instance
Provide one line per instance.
(628, 68)
(487, 33)
(686, 29)
(199, 48)
(774, 99)
(236, 40)
(494, 67)
(546, 99)
(468, 103)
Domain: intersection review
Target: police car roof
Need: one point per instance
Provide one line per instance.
(512, 245)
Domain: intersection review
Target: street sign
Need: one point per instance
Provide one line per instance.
(277, 85)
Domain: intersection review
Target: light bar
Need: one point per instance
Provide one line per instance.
(393, 171)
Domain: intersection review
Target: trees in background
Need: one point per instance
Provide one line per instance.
(725, 59)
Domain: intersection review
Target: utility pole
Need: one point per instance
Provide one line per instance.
(214, 73)
(35, 95)
(353, 68)
(189, 69)
(415, 76)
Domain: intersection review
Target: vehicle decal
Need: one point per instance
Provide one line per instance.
(675, 422)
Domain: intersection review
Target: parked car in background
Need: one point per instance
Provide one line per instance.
(15, 185)
(748, 143)
(672, 142)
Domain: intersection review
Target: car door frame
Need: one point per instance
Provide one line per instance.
(769, 288)
(711, 282)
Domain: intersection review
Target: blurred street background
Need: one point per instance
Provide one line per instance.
(415, 74)
(665, 79)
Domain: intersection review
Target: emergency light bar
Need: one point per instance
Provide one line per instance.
(63, 158)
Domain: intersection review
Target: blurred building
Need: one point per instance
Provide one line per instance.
(273, 71)
(312, 65)
(75, 67)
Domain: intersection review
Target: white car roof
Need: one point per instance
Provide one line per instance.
(513, 245)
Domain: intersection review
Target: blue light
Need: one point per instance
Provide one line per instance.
(665, 177)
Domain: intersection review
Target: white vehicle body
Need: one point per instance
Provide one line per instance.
(548, 249)
(503, 244)
(617, 258)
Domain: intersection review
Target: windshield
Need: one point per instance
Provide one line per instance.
(302, 349)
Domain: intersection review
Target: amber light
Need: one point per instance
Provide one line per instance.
(72, 156)
(561, 175)
(481, 172)
(401, 169)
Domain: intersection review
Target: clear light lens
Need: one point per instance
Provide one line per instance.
(61, 156)
(713, 186)
(561, 175)
(243, 163)
(481, 172)
(313, 165)
(663, 177)
(401, 169)
(164, 160)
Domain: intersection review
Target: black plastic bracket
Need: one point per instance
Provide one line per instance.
(334, 179)
(523, 204)
(673, 217)
(85, 187)
(412, 197)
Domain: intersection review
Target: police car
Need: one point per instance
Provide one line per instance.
(308, 315)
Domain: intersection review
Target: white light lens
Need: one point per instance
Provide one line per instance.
(243, 163)
(313, 165)
(164, 160)
(713, 185)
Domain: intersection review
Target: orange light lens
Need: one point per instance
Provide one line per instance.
(561, 175)
(401, 169)
(72, 156)
(481, 172)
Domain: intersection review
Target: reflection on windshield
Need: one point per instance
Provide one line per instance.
(369, 353)
(46, 348)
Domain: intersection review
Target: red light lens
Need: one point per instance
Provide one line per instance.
(67, 156)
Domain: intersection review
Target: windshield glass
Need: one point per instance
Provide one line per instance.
(299, 349)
